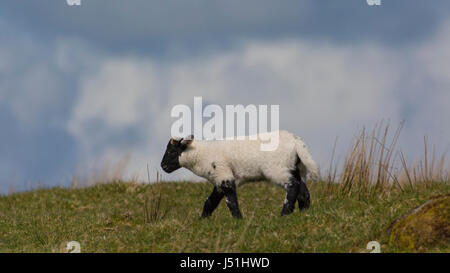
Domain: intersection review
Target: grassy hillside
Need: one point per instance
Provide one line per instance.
(115, 217)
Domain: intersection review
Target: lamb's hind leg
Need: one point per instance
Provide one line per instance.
(303, 196)
(292, 191)
(212, 202)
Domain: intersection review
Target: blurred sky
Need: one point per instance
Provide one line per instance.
(83, 86)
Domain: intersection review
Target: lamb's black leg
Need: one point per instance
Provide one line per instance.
(212, 202)
(229, 189)
(292, 190)
(303, 196)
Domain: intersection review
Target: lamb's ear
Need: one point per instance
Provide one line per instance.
(175, 139)
(188, 140)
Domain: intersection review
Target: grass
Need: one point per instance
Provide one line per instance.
(112, 218)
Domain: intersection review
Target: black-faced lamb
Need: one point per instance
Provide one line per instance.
(228, 164)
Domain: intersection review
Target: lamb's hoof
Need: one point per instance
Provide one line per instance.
(237, 216)
(205, 216)
(286, 211)
(304, 204)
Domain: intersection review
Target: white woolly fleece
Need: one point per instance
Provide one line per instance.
(243, 160)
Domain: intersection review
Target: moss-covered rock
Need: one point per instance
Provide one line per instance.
(424, 226)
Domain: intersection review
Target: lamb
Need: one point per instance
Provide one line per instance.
(228, 164)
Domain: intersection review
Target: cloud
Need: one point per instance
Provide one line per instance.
(119, 111)
(37, 84)
(323, 91)
(427, 91)
(154, 25)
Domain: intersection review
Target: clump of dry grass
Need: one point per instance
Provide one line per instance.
(426, 171)
(372, 166)
(152, 204)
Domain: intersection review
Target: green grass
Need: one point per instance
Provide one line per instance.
(112, 218)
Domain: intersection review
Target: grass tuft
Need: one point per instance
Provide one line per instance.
(152, 204)
(374, 167)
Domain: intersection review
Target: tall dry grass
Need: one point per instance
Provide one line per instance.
(152, 204)
(373, 166)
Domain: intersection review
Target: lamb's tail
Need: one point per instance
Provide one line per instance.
(306, 159)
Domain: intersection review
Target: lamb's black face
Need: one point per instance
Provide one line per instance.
(170, 161)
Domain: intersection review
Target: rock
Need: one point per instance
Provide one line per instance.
(424, 226)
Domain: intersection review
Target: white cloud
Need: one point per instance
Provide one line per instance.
(323, 90)
(36, 78)
(115, 94)
(427, 90)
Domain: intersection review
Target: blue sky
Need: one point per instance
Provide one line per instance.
(85, 86)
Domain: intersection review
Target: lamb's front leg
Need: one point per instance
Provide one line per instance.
(228, 187)
(212, 202)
